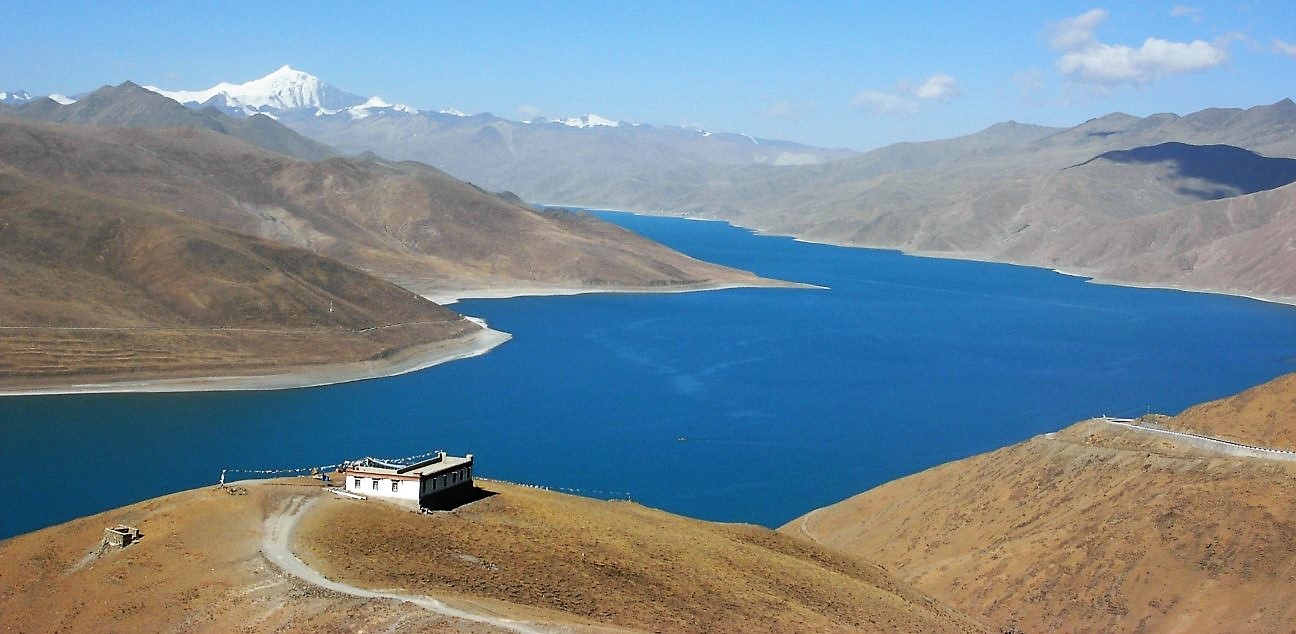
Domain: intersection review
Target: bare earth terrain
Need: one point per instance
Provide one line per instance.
(1099, 527)
(522, 560)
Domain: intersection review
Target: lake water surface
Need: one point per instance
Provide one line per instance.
(751, 405)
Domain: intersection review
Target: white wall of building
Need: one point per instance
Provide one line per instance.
(405, 489)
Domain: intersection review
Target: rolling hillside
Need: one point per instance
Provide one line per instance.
(101, 289)
(405, 222)
(1098, 527)
(1025, 194)
(522, 560)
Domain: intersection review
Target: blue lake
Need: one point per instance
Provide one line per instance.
(751, 405)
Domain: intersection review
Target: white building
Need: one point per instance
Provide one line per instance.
(423, 482)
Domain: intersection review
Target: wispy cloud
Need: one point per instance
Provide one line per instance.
(940, 87)
(1185, 11)
(1029, 83)
(907, 98)
(1285, 48)
(527, 112)
(1087, 60)
(787, 110)
(1075, 33)
(885, 103)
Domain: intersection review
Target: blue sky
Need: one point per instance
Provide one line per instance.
(841, 74)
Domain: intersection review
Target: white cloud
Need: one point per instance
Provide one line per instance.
(1285, 48)
(1088, 60)
(938, 86)
(786, 109)
(885, 102)
(1077, 32)
(906, 97)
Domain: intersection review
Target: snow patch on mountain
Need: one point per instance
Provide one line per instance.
(456, 113)
(14, 97)
(284, 89)
(62, 100)
(590, 120)
(373, 105)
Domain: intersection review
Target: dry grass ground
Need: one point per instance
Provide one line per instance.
(1094, 528)
(556, 561)
(615, 563)
(198, 568)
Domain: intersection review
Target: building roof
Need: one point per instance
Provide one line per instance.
(432, 466)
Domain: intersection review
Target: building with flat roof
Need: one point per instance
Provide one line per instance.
(425, 483)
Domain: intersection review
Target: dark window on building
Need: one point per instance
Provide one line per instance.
(375, 484)
(357, 482)
(395, 486)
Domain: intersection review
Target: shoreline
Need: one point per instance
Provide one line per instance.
(1090, 277)
(404, 362)
(447, 297)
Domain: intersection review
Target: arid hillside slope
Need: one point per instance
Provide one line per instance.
(536, 560)
(1148, 201)
(1263, 416)
(1098, 527)
(405, 222)
(97, 288)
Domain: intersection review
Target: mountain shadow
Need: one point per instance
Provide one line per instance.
(1237, 171)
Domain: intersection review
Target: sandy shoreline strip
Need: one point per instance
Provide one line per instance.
(451, 296)
(410, 360)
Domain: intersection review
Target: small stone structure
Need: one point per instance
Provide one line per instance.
(120, 536)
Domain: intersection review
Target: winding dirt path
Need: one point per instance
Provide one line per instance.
(276, 537)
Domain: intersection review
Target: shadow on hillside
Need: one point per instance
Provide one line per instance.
(1237, 170)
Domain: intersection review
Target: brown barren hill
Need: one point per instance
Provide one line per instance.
(522, 559)
(100, 289)
(406, 222)
(1096, 528)
(1263, 416)
(197, 567)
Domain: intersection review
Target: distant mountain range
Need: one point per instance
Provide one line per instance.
(1032, 195)
(538, 159)
(1013, 192)
(128, 105)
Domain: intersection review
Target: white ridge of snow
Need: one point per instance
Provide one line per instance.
(62, 100)
(590, 120)
(457, 113)
(750, 138)
(283, 89)
(374, 103)
(17, 96)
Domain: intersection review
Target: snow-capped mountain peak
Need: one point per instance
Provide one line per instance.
(369, 107)
(14, 97)
(285, 89)
(590, 120)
